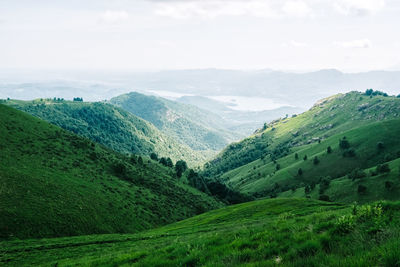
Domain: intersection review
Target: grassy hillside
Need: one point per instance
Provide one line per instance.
(284, 232)
(328, 117)
(110, 126)
(55, 183)
(197, 128)
(266, 177)
(345, 189)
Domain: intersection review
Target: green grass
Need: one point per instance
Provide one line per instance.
(284, 232)
(55, 183)
(261, 175)
(111, 126)
(344, 189)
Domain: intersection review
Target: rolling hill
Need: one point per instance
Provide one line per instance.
(271, 232)
(199, 129)
(55, 183)
(266, 163)
(111, 126)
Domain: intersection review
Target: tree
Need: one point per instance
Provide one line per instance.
(78, 99)
(305, 157)
(278, 167)
(329, 150)
(133, 159)
(180, 167)
(300, 172)
(154, 156)
(369, 92)
(163, 161)
(140, 160)
(169, 163)
(316, 160)
(344, 143)
(296, 156)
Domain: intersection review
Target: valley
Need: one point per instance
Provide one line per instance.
(120, 183)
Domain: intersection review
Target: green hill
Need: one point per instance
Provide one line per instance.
(328, 117)
(55, 183)
(110, 126)
(263, 177)
(272, 232)
(197, 128)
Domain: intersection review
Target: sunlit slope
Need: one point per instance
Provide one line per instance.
(267, 176)
(379, 186)
(330, 116)
(55, 183)
(109, 125)
(284, 232)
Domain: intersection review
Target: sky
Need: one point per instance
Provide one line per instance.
(297, 35)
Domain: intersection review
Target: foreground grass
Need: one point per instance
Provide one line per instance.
(286, 232)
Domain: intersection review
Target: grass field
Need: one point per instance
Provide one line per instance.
(271, 232)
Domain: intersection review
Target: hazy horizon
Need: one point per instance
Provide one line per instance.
(290, 35)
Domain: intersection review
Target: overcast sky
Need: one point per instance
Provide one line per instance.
(350, 35)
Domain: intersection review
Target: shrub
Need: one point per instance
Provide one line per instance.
(329, 150)
(316, 160)
(383, 168)
(324, 198)
(140, 160)
(305, 157)
(119, 169)
(345, 224)
(361, 189)
(344, 143)
(296, 156)
(388, 185)
(380, 145)
(307, 190)
(349, 153)
(324, 184)
(300, 172)
(356, 174)
(278, 167)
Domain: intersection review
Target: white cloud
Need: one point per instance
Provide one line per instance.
(363, 43)
(293, 43)
(180, 9)
(358, 7)
(296, 9)
(111, 16)
(212, 9)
